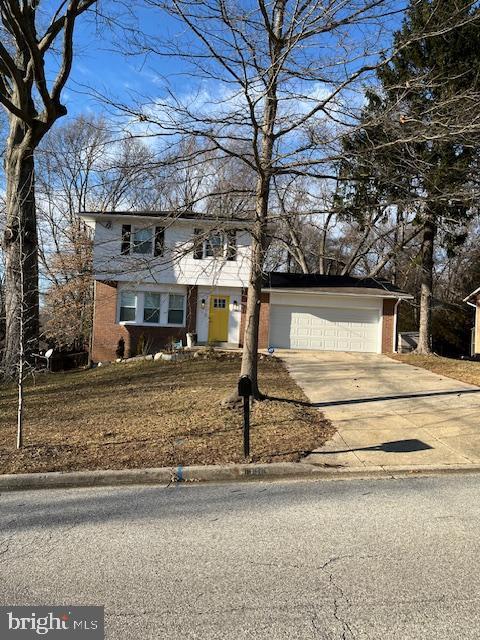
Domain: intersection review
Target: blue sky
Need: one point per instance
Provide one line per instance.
(100, 63)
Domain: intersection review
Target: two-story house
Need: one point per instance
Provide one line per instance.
(159, 276)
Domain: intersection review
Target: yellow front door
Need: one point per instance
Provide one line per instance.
(218, 322)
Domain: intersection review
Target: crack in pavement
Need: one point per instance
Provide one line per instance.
(347, 633)
(336, 606)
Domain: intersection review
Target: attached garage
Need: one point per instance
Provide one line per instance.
(325, 328)
(329, 313)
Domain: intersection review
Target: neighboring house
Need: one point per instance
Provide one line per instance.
(159, 277)
(474, 301)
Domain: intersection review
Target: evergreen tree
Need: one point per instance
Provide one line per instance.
(417, 147)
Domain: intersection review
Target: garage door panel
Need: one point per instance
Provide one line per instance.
(324, 328)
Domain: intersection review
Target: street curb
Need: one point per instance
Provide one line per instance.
(218, 473)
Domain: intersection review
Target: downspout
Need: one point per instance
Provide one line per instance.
(92, 336)
(473, 339)
(395, 325)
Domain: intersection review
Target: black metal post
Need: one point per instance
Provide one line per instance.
(245, 391)
(246, 426)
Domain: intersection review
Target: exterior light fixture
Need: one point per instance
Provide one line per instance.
(203, 303)
(235, 305)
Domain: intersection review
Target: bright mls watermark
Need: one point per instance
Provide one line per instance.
(58, 623)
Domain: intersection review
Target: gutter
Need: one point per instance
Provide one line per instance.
(313, 291)
(167, 221)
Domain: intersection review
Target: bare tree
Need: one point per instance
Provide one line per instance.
(32, 103)
(330, 235)
(84, 166)
(284, 77)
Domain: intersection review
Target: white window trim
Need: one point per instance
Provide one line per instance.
(164, 303)
(151, 324)
(183, 324)
(222, 246)
(119, 306)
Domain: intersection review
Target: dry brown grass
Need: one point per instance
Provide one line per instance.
(464, 370)
(151, 414)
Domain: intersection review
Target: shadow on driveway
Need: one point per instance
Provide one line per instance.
(400, 396)
(396, 446)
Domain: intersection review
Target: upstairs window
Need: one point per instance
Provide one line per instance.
(217, 244)
(214, 245)
(142, 241)
(128, 306)
(145, 241)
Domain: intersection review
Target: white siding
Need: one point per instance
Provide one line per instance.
(176, 266)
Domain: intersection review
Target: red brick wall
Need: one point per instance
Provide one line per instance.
(107, 333)
(242, 316)
(264, 324)
(388, 323)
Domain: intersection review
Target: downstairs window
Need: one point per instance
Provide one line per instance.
(128, 306)
(176, 309)
(151, 308)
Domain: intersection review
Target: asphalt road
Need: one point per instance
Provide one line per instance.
(383, 559)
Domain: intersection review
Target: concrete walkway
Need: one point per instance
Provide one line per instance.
(387, 413)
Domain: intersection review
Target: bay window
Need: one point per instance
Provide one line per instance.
(157, 308)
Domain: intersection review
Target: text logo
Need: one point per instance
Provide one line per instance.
(57, 623)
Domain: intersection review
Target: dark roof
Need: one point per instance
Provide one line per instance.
(279, 280)
(184, 215)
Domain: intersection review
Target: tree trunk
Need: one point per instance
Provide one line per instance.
(425, 329)
(322, 267)
(296, 251)
(259, 239)
(398, 241)
(252, 316)
(21, 248)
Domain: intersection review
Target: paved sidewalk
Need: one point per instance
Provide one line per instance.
(387, 413)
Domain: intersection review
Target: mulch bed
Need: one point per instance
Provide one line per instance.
(154, 414)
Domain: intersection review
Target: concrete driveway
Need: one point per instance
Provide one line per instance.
(387, 413)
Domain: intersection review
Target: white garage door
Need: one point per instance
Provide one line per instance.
(324, 328)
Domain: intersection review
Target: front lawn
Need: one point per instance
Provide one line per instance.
(464, 370)
(154, 414)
